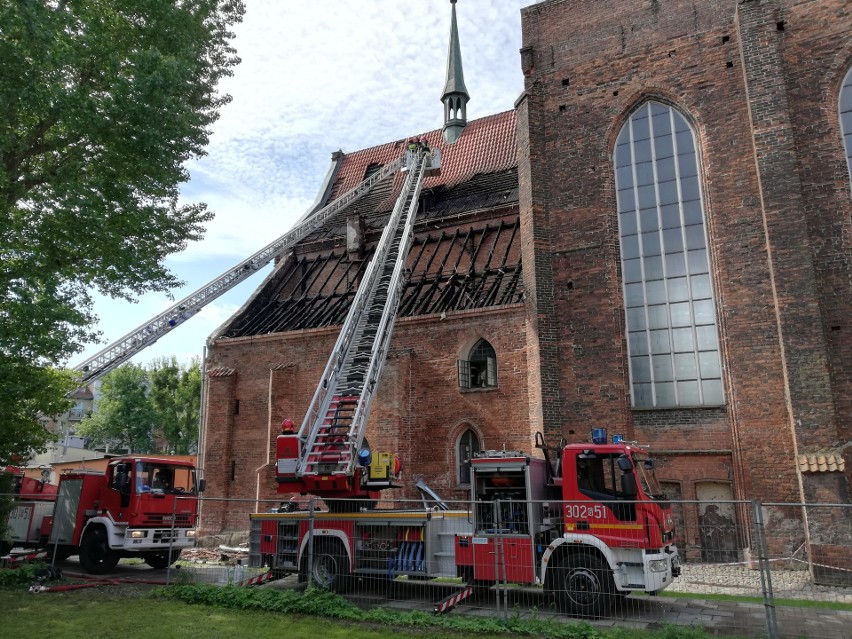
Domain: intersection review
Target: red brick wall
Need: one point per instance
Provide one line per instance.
(763, 105)
(418, 413)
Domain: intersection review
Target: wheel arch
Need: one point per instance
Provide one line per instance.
(327, 535)
(114, 538)
(565, 547)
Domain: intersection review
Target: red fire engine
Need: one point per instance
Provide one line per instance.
(587, 522)
(140, 507)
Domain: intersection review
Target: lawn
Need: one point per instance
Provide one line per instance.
(130, 612)
(139, 611)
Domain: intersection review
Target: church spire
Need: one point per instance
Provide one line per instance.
(455, 95)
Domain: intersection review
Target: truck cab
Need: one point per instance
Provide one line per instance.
(588, 521)
(143, 507)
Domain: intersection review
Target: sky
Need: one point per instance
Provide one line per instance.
(315, 77)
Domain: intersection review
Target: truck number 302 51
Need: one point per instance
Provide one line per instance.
(581, 511)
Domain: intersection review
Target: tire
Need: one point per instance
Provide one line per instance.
(329, 569)
(161, 560)
(96, 556)
(582, 586)
(62, 552)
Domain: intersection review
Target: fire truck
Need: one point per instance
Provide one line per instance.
(143, 507)
(588, 522)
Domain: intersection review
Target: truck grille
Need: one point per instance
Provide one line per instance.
(159, 519)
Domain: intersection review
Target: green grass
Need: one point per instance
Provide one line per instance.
(202, 611)
(796, 603)
(212, 612)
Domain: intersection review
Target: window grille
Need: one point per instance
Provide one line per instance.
(479, 370)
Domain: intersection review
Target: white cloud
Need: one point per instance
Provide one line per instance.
(316, 77)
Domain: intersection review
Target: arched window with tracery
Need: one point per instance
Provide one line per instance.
(672, 334)
(468, 446)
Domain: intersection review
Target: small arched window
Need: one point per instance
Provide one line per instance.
(468, 446)
(479, 369)
(846, 118)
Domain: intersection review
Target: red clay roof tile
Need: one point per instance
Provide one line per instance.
(488, 145)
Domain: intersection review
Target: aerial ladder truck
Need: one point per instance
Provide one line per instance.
(326, 456)
(587, 521)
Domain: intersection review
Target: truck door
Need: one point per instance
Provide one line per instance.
(603, 500)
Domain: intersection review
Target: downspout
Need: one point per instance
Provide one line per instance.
(265, 465)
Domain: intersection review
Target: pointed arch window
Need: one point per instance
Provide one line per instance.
(672, 334)
(479, 369)
(846, 119)
(468, 446)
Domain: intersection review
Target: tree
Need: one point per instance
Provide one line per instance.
(28, 391)
(103, 104)
(125, 417)
(176, 396)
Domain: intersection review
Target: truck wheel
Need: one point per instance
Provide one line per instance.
(162, 559)
(96, 556)
(583, 586)
(63, 552)
(330, 567)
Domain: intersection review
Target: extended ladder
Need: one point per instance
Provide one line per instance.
(333, 429)
(140, 338)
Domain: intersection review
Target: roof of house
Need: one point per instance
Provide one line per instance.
(478, 171)
(315, 284)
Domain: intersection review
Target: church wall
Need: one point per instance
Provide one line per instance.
(758, 82)
(418, 413)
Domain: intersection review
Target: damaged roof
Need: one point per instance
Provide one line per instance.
(466, 252)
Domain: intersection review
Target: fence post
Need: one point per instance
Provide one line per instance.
(765, 572)
(311, 510)
(500, 557)
(55, 533)
(171, 541)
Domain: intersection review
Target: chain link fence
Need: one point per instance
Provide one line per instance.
(746, 568)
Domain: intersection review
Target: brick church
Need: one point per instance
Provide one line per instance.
(656, 240)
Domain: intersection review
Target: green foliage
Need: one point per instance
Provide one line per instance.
(312, 602)
(29, 390)
(139, 404)
(318, 602)
(125, 414)
(103, 104)
(21, 577)
(176, 396)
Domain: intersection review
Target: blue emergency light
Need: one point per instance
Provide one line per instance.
(599, 435)
(617, 439)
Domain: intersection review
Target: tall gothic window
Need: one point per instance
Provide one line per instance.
(846, 118)
(668, 294)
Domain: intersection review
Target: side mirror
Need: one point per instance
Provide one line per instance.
(624, 464)
(202, 484)
(120, 477)
(628, 486)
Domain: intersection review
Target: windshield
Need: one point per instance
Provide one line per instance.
(647, 477)
(152, 477)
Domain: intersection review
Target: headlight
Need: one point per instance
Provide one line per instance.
(658, 565)
(191, 533)
(138, 534)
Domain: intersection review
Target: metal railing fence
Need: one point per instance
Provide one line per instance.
(746, 568)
